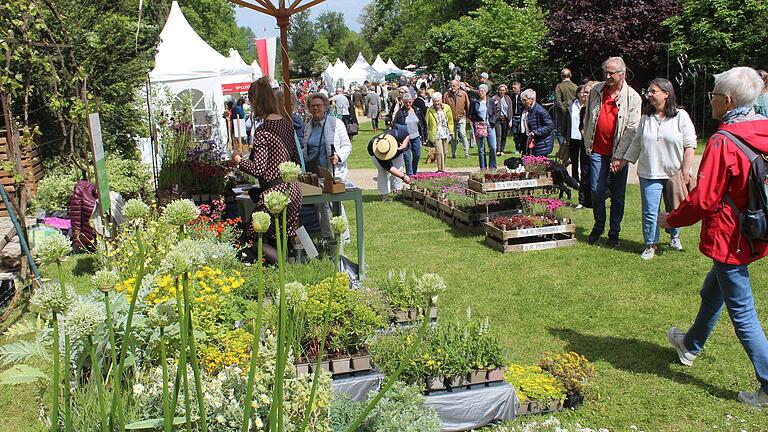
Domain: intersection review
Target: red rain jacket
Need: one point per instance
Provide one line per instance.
(724, 168)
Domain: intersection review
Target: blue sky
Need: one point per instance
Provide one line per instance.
(258, 21)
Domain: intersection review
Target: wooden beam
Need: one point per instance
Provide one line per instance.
(252, 7)
(293, 5)
(267, 4)
(306, 6)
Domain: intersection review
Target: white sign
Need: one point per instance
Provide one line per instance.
(516, 184)
(541, 231)
(96, 139)
(539, 246)
(239, 127)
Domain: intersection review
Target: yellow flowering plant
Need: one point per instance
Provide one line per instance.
(534, 384)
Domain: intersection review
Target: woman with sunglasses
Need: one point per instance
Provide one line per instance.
(663, 149)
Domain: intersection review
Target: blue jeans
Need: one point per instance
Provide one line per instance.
(491, 139)
(730, 285)
(651, 192)
(412, 155)
(601, 177)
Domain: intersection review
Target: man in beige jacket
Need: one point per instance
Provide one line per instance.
(610, 122)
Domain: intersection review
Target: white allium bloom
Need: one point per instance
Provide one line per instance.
(49, 296)
(186, 256)
(105, 280)
(180, 212)
(83, 318)
(295, 294)
(135, 209)
(289, 171)
(260, 222)
(339, 224)
(275, 201)
(430, 285)
(53, 248)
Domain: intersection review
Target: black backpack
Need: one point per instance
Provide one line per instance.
(754, 220)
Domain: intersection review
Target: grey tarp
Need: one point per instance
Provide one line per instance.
(458, 410)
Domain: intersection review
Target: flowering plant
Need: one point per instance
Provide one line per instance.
(501, 174)
(571, 369)
(533, 383)
(537, 164)
(516, 222)
(207, 160)
(540, 206)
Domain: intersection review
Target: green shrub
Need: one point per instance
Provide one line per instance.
(54, 190)
(401, 409)
(128, 177)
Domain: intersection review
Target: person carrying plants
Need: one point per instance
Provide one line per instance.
(720, 201)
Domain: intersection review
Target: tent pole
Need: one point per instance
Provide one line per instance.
(152, 134)
(284, 21)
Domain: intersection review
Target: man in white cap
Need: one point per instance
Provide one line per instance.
(386, 150)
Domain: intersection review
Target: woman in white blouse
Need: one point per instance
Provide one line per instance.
(662, 148)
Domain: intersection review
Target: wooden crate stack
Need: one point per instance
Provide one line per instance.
(32, 162)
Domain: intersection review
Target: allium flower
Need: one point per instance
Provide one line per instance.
(275, 201)
(83, 318)
(48, 296)
(180, 212)
(105, 280)
(260, 222)
(163, 314)
(295, 294)
(53, 248)
(289, 171)
(430, 285)
(186, 256)
(339, 224)
(135, 209)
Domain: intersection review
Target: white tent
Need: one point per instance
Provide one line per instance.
(328, 76)
(380, 66)
(361, 71)
(187, 67)
(340, 67)
(391, 68)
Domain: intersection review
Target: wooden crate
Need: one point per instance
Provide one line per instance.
(431, 206)
(529, 239)
(31, 161)
(478, 186)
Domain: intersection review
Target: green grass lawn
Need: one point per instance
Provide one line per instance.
(604, 303)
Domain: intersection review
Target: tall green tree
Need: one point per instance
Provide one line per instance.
(302, 37)
(332, 27)
(323, 55)
(507, 41)
(248, 36)
(721, 34)
(352, 45)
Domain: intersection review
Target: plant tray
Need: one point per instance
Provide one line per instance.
(508, 185)
(531, 243)
(473, 226)
(445, 208)
(516, 193)
(504, 235)
(446, 217)
(533, 407)
(406, 194)
(469, 217)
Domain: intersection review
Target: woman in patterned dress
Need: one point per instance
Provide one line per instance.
(273, 144)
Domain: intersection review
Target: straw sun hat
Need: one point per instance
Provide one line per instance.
(385, 147)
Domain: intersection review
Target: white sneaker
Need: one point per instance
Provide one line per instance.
(758, 399)
(579, 207)
(676, 244)
(675, 337)
(649, 252)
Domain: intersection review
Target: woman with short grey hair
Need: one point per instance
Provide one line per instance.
(536, 124)
(719, 201)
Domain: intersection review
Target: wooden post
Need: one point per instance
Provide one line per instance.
(284, 22)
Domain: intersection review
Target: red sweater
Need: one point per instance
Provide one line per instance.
(724, 168)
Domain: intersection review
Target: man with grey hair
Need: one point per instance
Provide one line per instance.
(458, 99)
(610, 122)
(565, 93)
(342, 105)
(720, 202)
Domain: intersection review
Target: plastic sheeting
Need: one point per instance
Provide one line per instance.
(459, 410)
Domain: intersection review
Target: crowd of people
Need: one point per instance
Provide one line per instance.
(602, 128)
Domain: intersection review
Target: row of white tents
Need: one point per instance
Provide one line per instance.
(339, 75)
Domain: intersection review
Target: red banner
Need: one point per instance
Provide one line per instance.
(263, 54)
(235, 87)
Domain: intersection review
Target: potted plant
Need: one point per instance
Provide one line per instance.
(572, 371)
(535, 387)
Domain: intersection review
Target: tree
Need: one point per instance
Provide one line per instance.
(214, 21)
(721, 34)
(302, 37)
(323, 55)
(352, 45)
(249, 53)
(583, 33)
(331, 26)
(481, 41)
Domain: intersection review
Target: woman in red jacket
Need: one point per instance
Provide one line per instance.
(723, 173)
